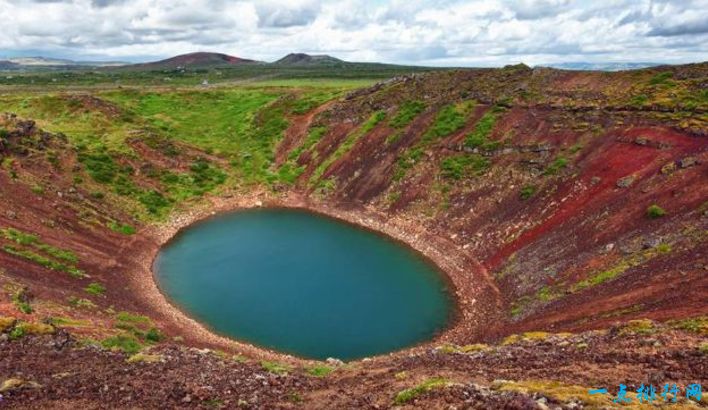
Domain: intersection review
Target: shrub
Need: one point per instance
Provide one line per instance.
(153, 335)
(124, 343)
(662, 79)
(120, 228)
(655, 211)
(154, 202)
(100, 166)
(558, 164)
(527, 192)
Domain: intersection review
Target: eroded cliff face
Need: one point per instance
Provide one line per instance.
(565, 200)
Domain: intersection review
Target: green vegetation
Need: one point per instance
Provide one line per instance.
(144, 358)
(239, 126)
(527, 192)
(313, 136)
(345, 146)
(406, 113)
(449, 119)
(22, 329)
(459, 166)
(43, 261)
(121, 228)
(559, 163)
(21, 300)
(478, 138)
(290, 171)
(547, 294)
(275, 367)
(248, 76)
(122, 342)
(621, 266)
(313, 100)
(320, 370)
(95, 289)
(560, 391)
(407, 395)
(136, 332)
(131, 318)
(639, 326)
(698, 325)
(663, 79)
(81, 303)
(655, 211)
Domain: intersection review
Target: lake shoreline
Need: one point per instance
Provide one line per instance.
(467, 310)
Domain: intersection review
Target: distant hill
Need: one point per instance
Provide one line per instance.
(59, 62)
(601, 66)
(307, 59)
(193, 60)
(52, 64)
(8, 65)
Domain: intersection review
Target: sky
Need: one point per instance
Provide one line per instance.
(434, 33)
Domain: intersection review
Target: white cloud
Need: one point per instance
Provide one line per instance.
(448, 32)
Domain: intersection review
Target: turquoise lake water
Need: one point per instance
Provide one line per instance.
(303, 284)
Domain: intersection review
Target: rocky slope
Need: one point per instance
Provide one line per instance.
(556, 201)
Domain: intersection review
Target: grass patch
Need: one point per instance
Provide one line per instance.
(121, 228)
(313, 136)
(547, 294)
(560, 391)
(459, 166)
(95, 289)
(123, 342)
(638, 326)
(275, 367)
(56, 258)
(345, 146)
(132, 318)
(406, 113)
(449, 119)
(698, 325)
(43, 261)
(319, 370)
(478, 138)
(410, 394)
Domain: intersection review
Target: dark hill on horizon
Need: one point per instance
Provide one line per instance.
(199, 59)
(307, 59)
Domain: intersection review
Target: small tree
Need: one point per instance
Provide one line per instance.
(655, 211)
